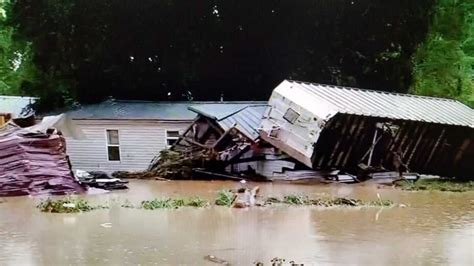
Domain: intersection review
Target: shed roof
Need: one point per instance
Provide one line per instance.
(15, 104)
(325, 101)
(246, 117)
(140, 110)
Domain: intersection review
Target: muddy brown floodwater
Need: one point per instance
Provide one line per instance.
(434, 228)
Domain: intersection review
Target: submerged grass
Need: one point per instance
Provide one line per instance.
(303, 200)
(67, 205)
(296, 200)
(169, 203)
(225, 198)
(437, 185)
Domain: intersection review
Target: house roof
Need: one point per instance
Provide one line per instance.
(140, 110)
(246, 117)
(15, 104)
(325, 101)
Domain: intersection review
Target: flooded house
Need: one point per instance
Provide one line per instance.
(127, 135)
(228, 135)
(333, 127)
(124, 135)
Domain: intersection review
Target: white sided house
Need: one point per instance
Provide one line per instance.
(126, 135)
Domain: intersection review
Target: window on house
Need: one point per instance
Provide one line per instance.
(291, 115)
(172, 137)
(113, 145)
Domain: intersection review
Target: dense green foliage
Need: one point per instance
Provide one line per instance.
(180, 50)
(84, 51)
(17, 71)
(444, 63)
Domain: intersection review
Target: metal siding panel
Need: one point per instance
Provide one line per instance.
(383, 104)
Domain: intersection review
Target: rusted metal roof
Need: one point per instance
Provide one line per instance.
(33, 163)
(325, 101)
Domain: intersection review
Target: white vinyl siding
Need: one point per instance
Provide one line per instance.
(140, 142)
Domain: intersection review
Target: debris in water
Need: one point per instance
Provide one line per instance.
(69, 205)
(100, 180)
(106, 225)
(217, 260)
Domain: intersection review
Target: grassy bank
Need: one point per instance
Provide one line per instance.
(437, 185)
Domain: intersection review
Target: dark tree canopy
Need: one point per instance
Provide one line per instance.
(161, 49)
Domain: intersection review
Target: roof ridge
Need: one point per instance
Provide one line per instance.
(190, 102)
(16, 97)
(237, 111)
(241, 109)
(376, 91)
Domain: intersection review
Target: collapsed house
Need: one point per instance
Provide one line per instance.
(330, 127)
(221, 134)
(224, 142)
(33, 160)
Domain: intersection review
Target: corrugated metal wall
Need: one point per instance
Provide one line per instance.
(425, 147)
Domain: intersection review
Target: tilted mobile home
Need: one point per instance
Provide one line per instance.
(332, 127)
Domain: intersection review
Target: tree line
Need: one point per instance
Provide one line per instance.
(71, 52)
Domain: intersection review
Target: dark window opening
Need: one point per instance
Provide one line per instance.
(113, 145)
(291, 115)
(113, 153)
(172, 137)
